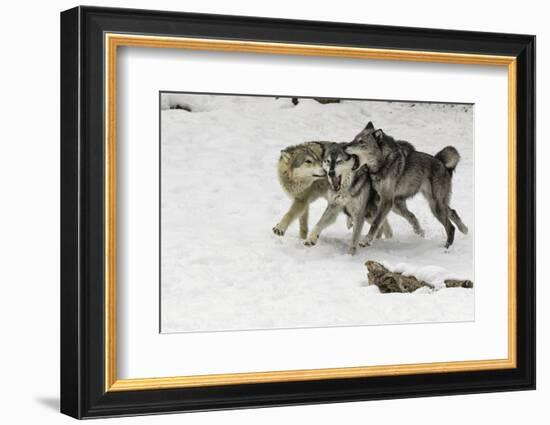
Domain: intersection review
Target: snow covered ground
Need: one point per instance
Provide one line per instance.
(223, 268)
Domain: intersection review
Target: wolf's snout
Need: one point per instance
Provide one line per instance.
(335, 182)
(331, 173)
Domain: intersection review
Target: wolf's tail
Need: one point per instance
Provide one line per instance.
(449, 156)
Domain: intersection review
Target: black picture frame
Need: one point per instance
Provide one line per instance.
(83, 392)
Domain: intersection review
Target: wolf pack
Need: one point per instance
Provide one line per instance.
(365, 179)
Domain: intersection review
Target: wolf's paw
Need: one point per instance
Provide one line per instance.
(278, 230)
(352, 250)
(349, 223)
(421, 233)
(365, 242)
(310, 242)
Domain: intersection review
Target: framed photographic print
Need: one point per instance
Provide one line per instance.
(261, 212)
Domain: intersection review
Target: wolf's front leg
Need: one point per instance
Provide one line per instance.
(328, 217)
(386, 230)
(383, 211)
(358, 222)
(304, 223)
(296, 209)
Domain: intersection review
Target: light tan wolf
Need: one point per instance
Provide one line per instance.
(303, 179)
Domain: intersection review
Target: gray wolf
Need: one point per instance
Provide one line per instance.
(349, 192)
(303, 178)
(399, 172)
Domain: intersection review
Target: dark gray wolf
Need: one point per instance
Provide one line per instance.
(399, 172)
(349, 192)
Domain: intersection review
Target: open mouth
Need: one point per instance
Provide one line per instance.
(335, 182)
(322, 176)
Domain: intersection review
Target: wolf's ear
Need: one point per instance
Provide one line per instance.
(370, 126)
(378, 134)
(285, 155)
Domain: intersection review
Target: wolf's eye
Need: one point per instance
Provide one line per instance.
(309, 161)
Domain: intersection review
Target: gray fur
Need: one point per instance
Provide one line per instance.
(341, 169)
(398, 172)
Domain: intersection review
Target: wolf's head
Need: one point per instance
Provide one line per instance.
(338, 165)
(363, 134)
(370, 146)
(303, 162)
